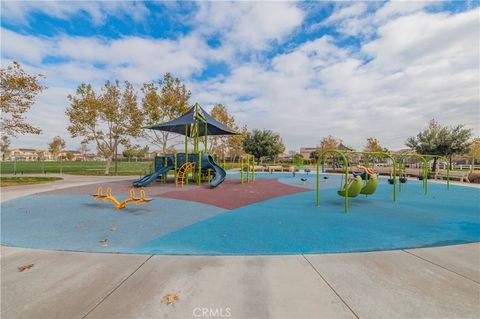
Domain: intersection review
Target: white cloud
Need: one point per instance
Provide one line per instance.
(310, 56)
(319, 89)
(442, 36)
(92, 58)
(421, 65)
(248, 25)
(393, 9)
(23, 47)
(363, 18)
(352, 10)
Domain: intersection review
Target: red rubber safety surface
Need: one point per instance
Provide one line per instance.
(232, 194)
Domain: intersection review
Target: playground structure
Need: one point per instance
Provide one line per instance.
(182, 173)
(121, 205)
(353, 187)
(194, 124)
(247, 168)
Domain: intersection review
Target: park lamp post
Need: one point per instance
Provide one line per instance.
(115, 138)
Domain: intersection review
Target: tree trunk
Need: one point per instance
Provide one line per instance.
(450, 157)
(164, 147)
(107, 167)
(434, 165)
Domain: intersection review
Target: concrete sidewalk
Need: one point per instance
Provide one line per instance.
(419, 283)
(11, 192)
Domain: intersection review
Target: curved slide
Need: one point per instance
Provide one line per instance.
(146, 180)
(219, 171)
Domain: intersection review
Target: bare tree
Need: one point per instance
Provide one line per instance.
(5, 147)
(83, 149)
(56, 147)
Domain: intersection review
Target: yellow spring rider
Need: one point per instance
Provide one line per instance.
(120, 205)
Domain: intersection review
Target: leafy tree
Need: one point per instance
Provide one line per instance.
(18, 91)
(263, 143)
(163, 101)
(328, 143)
(40, 154)
(458, 141)
(102, 116)
(235, 143)
(5, 147)
(56, 147)
(440, 140)
(69, 156)
(298, 159)
(373, 145)
(428, 140)
(135, 151)
(474, 150)
(143, 152)
(131, 151)
(314, 154)
(219, 144)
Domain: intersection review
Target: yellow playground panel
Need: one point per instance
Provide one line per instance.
(142, 199)
(182, 174)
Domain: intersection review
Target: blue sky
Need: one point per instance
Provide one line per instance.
(303, 69)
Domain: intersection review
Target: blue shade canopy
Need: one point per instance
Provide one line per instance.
(178, 125)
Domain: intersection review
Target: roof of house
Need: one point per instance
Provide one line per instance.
(344, 148)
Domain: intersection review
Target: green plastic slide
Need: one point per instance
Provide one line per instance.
(370, 186)
(353, 189)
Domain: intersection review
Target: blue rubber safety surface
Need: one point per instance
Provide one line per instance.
(77, 223)
(285, 225)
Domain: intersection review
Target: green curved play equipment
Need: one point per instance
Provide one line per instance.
(425, 158)
(353, 188)
(345, 161)
(448, 168)
(370, 185)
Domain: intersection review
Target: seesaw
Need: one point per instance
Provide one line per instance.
(120, 205)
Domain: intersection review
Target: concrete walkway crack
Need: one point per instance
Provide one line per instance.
(118, 286)
(431, 262)
(328, 284)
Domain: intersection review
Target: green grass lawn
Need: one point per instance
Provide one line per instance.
(25, 180)
(83, 168)
(76, 168)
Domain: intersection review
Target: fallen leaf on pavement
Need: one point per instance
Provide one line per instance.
(170, 298)
(24, 267)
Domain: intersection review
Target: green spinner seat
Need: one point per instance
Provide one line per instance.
(354, 188)
(370, 186)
